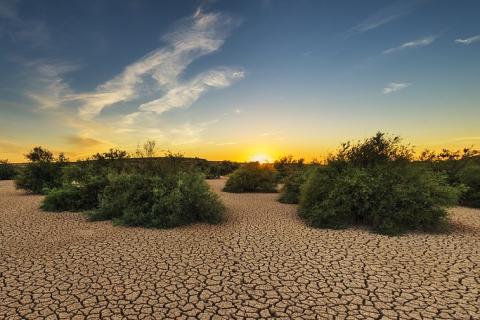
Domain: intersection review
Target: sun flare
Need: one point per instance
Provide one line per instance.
(261, 158)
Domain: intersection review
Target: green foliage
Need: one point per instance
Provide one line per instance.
(374, 183)
(42, 173)
(376, 150)
(461, 167)
(214, 170)
(287, 165)
(252, 177)
(160, 202)
(390, 199)
(290, 192)
(7, 170)
(75, 196)
(469, 176)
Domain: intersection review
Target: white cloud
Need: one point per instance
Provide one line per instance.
(237, 111)
(395, 86)
(185, 94)
(468, 41)
(191, 38)
(382, 17)
(412, 44)
(49, 88)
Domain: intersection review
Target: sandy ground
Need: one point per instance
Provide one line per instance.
(261, 263)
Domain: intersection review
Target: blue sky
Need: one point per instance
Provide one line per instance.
(234, 79)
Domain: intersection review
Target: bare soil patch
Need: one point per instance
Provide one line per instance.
(263, 262)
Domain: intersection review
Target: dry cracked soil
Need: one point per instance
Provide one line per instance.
(263, 262)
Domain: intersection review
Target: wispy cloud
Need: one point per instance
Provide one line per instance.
(190, 39)
(468, 41)
(183, 95)
(13, 27)
(395, 86)
(412, 44)
(49, 89)
(226, 143)
(382, 17)
(82, 142)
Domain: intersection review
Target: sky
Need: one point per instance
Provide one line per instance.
(237, 80)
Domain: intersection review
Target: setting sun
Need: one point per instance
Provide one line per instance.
(261, 158)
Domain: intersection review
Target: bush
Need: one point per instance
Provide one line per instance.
(290, 192)
(469, 175)
(44, 172)
(7, 171)
(391, 199)
(140, 200)
(461, 167)
(374, 183)
(252, 177)
(286, 166)
(75, 196)
(218, 169)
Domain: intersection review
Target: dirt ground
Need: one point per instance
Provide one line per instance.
(261, 263)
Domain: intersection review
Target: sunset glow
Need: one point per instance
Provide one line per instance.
(212, 79)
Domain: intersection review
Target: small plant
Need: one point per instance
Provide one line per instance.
(42, 173)
(7, 170)
(252, 177)
(140, 200)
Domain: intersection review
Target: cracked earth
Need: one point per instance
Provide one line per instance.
(261, 263)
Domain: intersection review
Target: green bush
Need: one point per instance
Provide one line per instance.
(7, 171)
(287, 166)
(461, 167)
(469, 175)
(78, 196)
(42, 173)
(160, 202)
(391, 199)
(290, 192)
(374, 183)
(252, 177)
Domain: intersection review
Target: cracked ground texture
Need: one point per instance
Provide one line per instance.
(263, 262)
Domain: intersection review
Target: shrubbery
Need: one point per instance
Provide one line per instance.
(7, 171)
(252, 177)
(461, 168)
(42, 173)
(375, 184)
(287, 166)
(469, 176)
(140, 200)
(78, 196)
(290, 192)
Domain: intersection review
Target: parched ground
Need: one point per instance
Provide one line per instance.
(261, 263)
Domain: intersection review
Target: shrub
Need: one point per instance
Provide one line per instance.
(469, 175)
(161, 202)
(214, 170)
(391, 199)
(7, 171)
(75, 196)
(374, 183)
(252, 177)
(290, 192)
(286, 166)
(42, 173)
